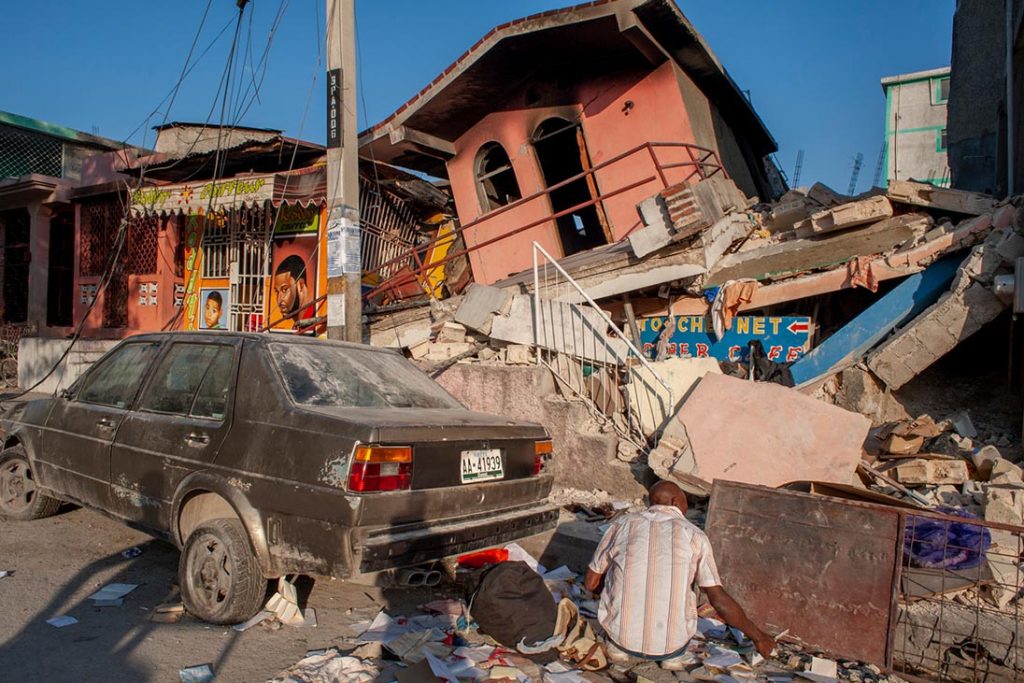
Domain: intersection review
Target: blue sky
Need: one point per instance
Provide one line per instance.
(812, 67)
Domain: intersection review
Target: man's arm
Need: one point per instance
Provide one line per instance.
(593, 581)
(734, 616)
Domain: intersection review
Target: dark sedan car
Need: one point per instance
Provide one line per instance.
(261, 455)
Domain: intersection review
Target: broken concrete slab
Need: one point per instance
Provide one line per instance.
(942, 199)
(801, 255)
(767, 434)
(826, 196)
(480, 304)
(576, 330)
(717, 239)
(785, 215)
(403, 335)
(857, 337)
(658, 230)
(862, 392)
(845, 216)
(933, 334)
(649, 400)
(932, 472)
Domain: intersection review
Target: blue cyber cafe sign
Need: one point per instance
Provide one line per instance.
(785, 339)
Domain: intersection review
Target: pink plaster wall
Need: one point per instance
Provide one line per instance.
(658, 114)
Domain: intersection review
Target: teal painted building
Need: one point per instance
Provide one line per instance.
(915, 126)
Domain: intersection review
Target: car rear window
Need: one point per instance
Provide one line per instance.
(323, 375)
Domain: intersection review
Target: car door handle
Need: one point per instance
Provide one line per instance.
(195, 439)
(106, 423)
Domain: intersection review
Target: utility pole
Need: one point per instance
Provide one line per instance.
(344, 258)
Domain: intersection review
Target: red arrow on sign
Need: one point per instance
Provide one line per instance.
(797, 327)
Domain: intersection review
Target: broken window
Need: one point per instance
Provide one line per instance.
(942, 141)
(564, 161)
(495, 179)
(941, 90)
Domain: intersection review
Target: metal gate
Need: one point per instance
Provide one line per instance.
(249, 267)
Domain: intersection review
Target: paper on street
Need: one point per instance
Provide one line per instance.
(440, 669)
(113, 591)
(246, 625)
(61, 621)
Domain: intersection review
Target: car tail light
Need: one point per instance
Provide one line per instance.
(381, 468)
(541, 454)
(483, 558)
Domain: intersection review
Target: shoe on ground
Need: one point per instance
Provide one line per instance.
(615, 655)
(677, 663)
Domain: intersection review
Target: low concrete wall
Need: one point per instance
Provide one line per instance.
(585, 458)
(37, 355)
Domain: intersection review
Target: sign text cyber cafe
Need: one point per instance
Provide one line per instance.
(785, 338)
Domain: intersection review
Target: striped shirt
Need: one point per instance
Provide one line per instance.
(650, 561)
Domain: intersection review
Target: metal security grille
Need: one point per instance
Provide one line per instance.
(23, 152)
(14, 240)
(216, 240)
(250, 257)
(142, 245)
(388, 228)
(101, 219)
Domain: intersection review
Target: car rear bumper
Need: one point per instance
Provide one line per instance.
(410, 545)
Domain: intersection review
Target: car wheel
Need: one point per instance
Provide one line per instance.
(20, 498)
(220, 579)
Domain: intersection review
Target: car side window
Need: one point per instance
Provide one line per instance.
(212, 399)
(180, 375)
(116, 380)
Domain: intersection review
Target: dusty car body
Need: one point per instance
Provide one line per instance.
(332, 459)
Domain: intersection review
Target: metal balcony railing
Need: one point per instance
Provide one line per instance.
(409, 267)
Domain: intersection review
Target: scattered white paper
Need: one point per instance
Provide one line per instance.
(308, 618)
(378, 629)
(516, 553)
(61, 621)
(113, 591)
(5, 573)
(246, 625)
(563, 573)
(722, 659)
(479, 653)
(440, 670)
(196, 674)
(567, 677)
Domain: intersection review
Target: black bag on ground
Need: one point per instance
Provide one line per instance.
(513, 605)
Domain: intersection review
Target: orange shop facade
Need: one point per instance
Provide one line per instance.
(246, 253)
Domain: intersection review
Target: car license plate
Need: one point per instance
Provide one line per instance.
(482, 465)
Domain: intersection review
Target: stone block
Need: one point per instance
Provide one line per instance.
(419, 349)
(480, 304)
(826, 196)
(451, 333)
(1005, 472)
(917, 472)
(761, 433)
(518, 354)
(849, 215)
(444, 350)
(985, 459)
(943, 199)
(577, 330)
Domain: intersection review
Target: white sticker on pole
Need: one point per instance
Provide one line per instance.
(335, 246)
(335, 309)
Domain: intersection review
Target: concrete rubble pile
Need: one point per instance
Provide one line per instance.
(444, 642)
(706, 251)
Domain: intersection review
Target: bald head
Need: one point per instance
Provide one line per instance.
(667, 493)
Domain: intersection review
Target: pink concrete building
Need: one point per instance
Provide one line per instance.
(552, 128)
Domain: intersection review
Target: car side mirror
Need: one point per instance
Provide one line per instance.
(65, 394)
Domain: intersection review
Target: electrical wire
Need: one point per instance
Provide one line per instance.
(122, 233)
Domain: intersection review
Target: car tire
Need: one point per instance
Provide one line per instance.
(20, 499)
(220, 579)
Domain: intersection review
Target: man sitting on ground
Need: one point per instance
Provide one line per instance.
(649, 562)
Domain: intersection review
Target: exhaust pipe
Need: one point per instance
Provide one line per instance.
(416, 578)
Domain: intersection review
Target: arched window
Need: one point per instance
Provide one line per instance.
(495, 180)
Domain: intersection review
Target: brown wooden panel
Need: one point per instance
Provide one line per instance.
(823, 568)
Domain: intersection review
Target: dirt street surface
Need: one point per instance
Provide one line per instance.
(59, 562)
